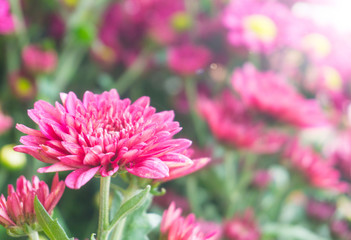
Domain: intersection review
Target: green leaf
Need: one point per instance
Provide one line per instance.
(139, 224)
(93, 236)
(51, 227)
(131, 205)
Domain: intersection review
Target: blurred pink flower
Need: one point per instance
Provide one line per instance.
(261, 179)
(271, 94)
(211, 228)
(23, 85)
(7, 25)
(242, 227)
(256, 25)
(317, 170)
(18, 208)
(188, 59)
(317, 42)
(103, 134)
(322, 211)
(122, 29)
(176, 227)
(37, 60)
(167, 21)
(339, 152)
(340, 229)
(56, 26)
(230, 121)
(5, 122)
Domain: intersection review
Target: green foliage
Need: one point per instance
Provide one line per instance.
(140, 223)
(131, 205)
(51, 227)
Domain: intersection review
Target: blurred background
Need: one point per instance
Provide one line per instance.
(260, 86)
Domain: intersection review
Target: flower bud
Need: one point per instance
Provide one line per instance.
(17, 213)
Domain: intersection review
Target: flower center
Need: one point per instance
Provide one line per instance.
(181, 21)
(24, 86)
(332, 79)
(317, 43)
(262, 27)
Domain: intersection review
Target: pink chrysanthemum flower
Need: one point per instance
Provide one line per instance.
(7, 25)
(176, 227)
(188, 59)
(256, 25)
(317, 170)
(18, 209)
(5, 122)
(101, 135)
(271, 94)
(231, 122)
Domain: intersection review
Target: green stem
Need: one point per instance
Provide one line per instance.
(33, 235)
(19, 24)
(191, 192)
(87, 12)
(230, 171)
(191, 95)
(281, 198)
(243, 181)
(70, 58)
(131, 75)
(104, 208)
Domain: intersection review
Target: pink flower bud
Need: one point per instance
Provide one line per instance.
(176, 227)
(18, 209)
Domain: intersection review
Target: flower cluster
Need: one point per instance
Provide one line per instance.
(283, 102)
(250, 81)
(230, 122)
(318, 171)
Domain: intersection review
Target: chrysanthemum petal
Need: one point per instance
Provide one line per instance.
(56, 167)
(79, 177)
(150, 168)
